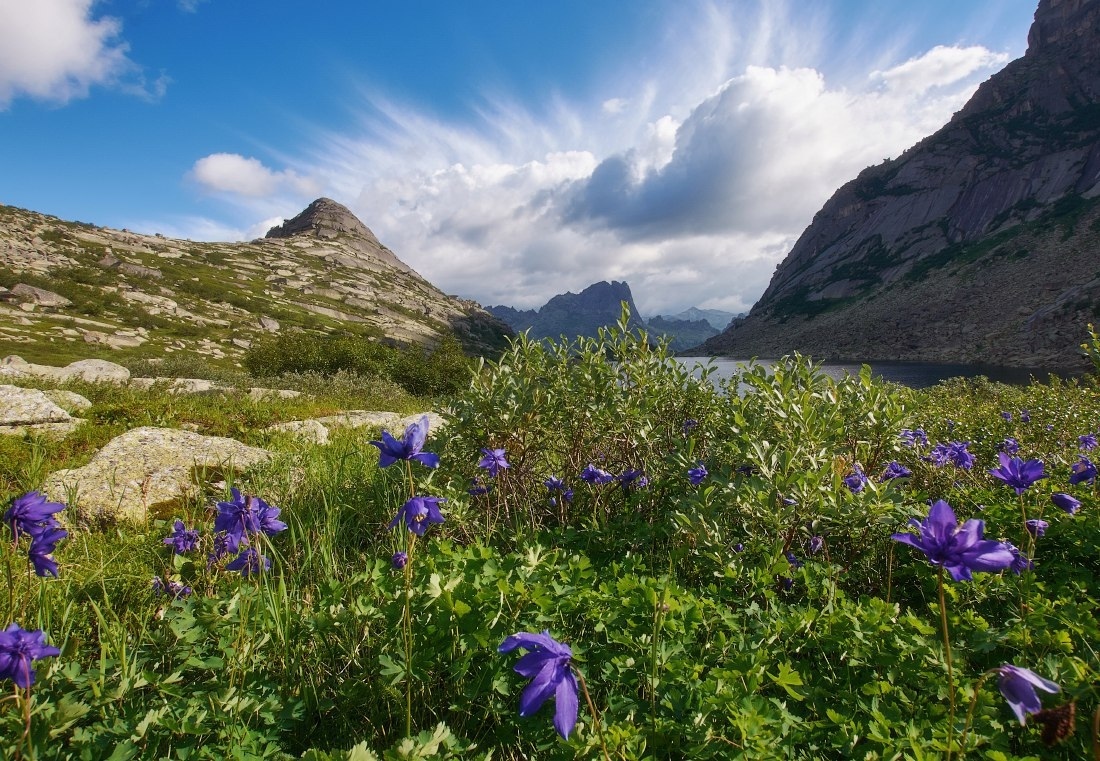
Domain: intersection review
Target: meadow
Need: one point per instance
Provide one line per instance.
(786, 566)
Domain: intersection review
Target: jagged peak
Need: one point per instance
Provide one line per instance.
(1063, 23)
(324, 218)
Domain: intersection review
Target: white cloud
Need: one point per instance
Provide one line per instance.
(722, 144)
(54, 50)
(235, 174)
(939, 67)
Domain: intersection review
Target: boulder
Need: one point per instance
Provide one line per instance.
(149, 470)
(39, 296)
(70, 401)
(28, 409)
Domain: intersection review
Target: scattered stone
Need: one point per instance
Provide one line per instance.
(310, 430)
(39, 296)
(270, 324)
(149, 470)
(26, 409)
(70, 401)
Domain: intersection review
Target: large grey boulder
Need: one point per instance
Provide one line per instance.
(28, 409)
(93, 370)
(149, 470)
(31, 295)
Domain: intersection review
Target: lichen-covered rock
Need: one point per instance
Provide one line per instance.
(149, 470)
(70, 401)
(28, 409)
(92, 370)
(310, 430)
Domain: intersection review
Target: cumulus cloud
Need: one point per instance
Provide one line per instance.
(55, 50)
(235, 174)
(939, 67)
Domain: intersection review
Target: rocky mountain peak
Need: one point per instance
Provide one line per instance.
(1063, 23)
(324, 218)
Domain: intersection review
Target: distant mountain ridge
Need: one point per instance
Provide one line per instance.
(73, 290)
(977, 244)
(600, 305)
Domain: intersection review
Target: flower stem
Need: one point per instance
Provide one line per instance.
(407, 632)
(950, 673)
(970, 711)
(595, 714)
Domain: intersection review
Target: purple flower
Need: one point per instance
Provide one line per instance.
(895, 469)
(41, 550)
(493, 461)
(18, 650)
(1017, 473)
(1066, 502)
(793, 560)
(739, 547)
(221, 548)
(408, 448)
(954, 453)
(248, 562)
(698, 474)
(690, 425)
(418, 513)
(1010, 446)
(31, 513)
(1020, 563)
(856, 480)
(959, 549)
(245, 516)
(1018, 687)
(1007, 416)
(817, 543)
(182, 539)
(1086, 442)
(912, 438)
(1025, 416)
(548, 665)
(400, 560)
(1083, 471)
(1036, 527)
(169, 588)
(593, 475)
(477, 488)
(633, 478)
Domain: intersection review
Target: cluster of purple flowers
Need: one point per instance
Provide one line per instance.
(913, 437)
(555, 485)
(33, 515)
(241, 521)
(856, 480)
(1086, 442)
(169, 588)
(952, 453)
(19, 648)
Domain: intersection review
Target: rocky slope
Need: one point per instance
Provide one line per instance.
(71, 289)
(978, 244)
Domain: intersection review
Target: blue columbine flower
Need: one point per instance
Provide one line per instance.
(959, 549)
(31, 513)
(698, 474)
(19, 648)
(400, 560)
(174, 589)
(856, 480)
(1018, 687)
(493, 461)
(548, 665)
(249, 562)
(182, 539)
(408, 448)
(1007, 416)
(1066, 501)
(1010, 446)
(593, 475)
(41, 550)
(690, 425)
(633, 478)
(1017, 473)
(914, 437)
(1036, 526)
(1086, 442)
(1020, 563)
(1025, 416)
(954, 453)
(418, 513)
(895, 469)
(817, 543)
(477, 488)
(245, 516)
(1083, 471)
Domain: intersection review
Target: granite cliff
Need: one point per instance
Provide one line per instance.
(980, 243)
(72, 290)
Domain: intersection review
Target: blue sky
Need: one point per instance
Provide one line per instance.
(508, 151)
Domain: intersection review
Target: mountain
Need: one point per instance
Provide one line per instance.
(69, 290)
(572, 314)
(978, 244)
(718, 318)
(682, 334)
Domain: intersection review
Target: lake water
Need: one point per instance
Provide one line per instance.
(912, 374)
